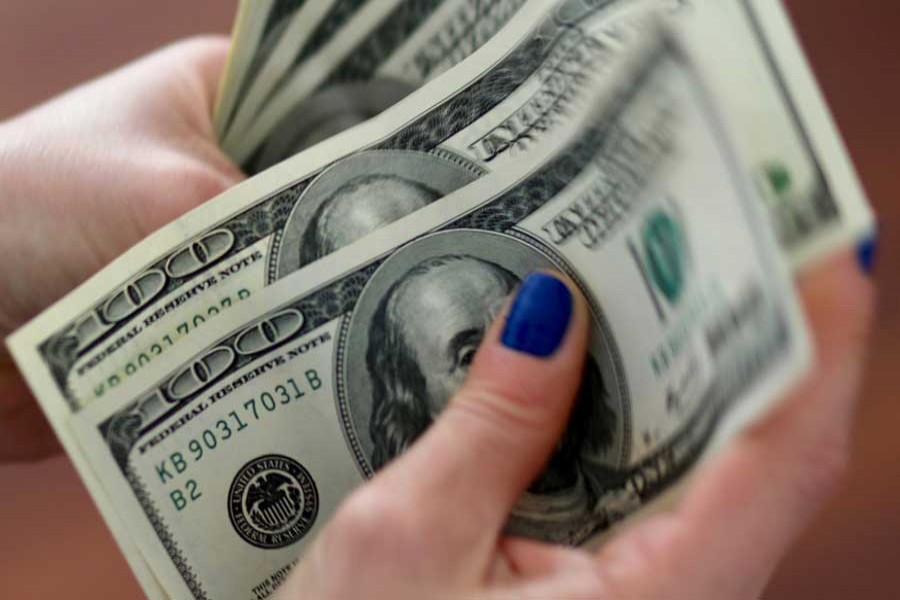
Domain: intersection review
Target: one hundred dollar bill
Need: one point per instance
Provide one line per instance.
(484, 117)
(248, 446)
(785, 132)
(269, 36)
(253, 27)
(364, 58)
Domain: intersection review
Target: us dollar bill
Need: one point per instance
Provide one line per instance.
(364, 58)
(478, 117)
(758, 68)
(143, 308)
(250, 444)
(268, 37)
(261, 28)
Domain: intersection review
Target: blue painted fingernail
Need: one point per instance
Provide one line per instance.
(539, 316)
(866, 252)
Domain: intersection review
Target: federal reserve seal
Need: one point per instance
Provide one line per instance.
(272, 501)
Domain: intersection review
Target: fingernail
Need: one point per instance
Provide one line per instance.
(539, 316)
(866, 252)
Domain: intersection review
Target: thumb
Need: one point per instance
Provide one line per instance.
(498, 431)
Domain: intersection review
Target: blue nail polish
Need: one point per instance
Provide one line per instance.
(539, 316)
(866, 252)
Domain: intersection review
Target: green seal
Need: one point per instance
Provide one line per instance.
(664, 249)
(779, 178)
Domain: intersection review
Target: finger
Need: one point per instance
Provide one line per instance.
(203, 59)
(192, 70)
(210, 54)
(745, 508)
(532, 570)
(499, 429)
(529, 559)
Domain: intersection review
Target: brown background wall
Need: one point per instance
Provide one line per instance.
(54, 543)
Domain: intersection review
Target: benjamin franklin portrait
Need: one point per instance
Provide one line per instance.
(422, 335)
(361, 194)
(360, 206)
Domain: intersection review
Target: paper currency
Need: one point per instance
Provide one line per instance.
(365, 57)
(508, 97)
(812, 192)
(217, 257)
(268, 37)
(257, 26)
(249, 444)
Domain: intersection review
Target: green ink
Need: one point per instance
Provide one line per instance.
(665, 254)
(267, 401)
(312, 376)
(156, 348)
(779, 178)
(298, 393)
(224, 428)
(237, 419)
(195, 447)
(251, 403)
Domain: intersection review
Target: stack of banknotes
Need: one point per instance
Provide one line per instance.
(222, 385)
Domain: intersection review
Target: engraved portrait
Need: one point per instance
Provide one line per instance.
(362, 193)
(423, 330)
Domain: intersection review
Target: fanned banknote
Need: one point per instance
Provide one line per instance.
(481, 116)
(258, 27)
(363, 58)
(214, 259)
(269, 36)
(249, 445)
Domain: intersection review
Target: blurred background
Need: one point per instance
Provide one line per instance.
(56, 545)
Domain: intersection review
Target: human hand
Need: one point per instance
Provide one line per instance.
(84, 177)
(430, 524)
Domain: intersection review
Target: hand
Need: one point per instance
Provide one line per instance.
(429, 525)
(87, 175)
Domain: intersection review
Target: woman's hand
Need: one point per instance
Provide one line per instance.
(430, 524)
(86, 176)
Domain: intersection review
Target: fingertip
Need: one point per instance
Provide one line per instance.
(199, 60)
(867, 253)
(537, 342)
(839, 298)
(545, 317)
(539, 316)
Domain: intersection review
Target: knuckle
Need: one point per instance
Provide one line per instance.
(587, 578)
(368, 516)
(205, 183)
(594, 584)
(189, 179)
(620, 566)
(500, 411)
